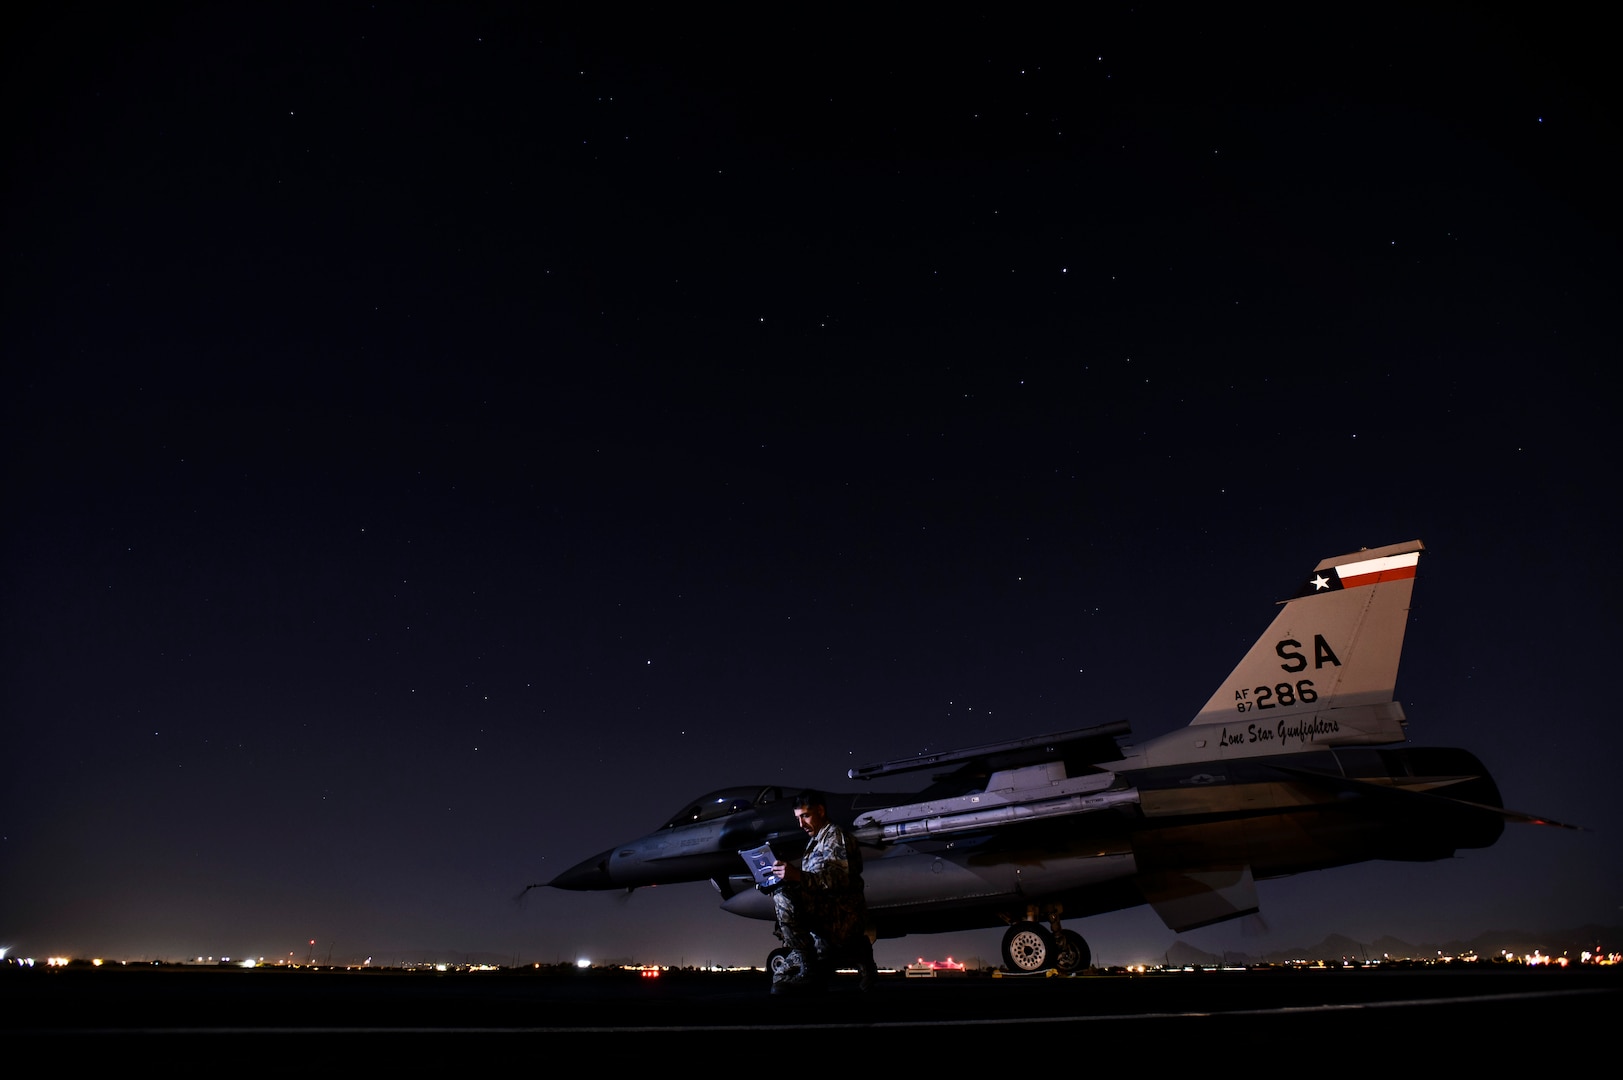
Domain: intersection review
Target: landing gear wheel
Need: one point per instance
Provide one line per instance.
(777, 963)
(1027, 947)
(1071, 953)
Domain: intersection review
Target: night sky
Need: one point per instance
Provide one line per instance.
(442, 439)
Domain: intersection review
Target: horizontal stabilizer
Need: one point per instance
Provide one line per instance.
(1432, 795)
(1533, 819)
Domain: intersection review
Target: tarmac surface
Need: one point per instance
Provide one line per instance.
(1438, 1014)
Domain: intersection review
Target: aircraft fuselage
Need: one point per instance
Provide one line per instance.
(1255, 818)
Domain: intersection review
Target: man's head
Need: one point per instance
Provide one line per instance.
(810, 812)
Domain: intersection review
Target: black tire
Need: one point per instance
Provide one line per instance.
(777, 963)
(1071, 953)
(1028, 947)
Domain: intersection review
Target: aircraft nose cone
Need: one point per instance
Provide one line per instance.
(588, 874)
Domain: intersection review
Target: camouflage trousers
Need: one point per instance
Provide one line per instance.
(818, 929)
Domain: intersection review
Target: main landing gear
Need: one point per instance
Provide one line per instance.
(1029, 946)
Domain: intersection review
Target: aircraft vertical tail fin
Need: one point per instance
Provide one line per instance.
(1325, 670)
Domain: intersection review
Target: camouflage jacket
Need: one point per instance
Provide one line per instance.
(832, 864)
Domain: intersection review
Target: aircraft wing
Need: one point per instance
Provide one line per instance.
(1090, 745)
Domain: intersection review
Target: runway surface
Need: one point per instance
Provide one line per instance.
(1448, 1012)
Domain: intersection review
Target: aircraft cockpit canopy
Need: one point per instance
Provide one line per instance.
(721, 803)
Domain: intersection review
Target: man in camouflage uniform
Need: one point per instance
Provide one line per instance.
(822, 916)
